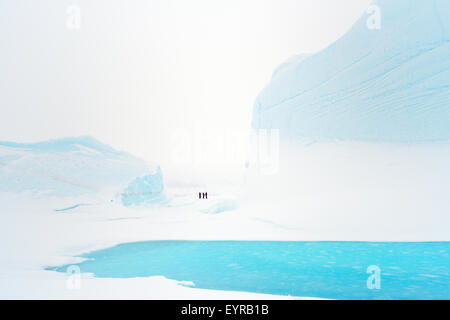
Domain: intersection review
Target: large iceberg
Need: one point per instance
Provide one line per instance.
(387, 84)
(68, 167)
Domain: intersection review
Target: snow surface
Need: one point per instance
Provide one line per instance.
(61, 198)
(391, 84)
(34, 237)
(372, 192)
(349, 191)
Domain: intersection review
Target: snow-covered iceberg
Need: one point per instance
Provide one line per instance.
(389, 84)
(364, 129)
(68, 167)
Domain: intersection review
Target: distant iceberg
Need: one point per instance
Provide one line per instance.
(391, 84)
(68, 167)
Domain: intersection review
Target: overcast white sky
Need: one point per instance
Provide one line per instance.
(136, 70)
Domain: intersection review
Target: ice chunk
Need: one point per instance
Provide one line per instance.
(221, 206)
(144, 190)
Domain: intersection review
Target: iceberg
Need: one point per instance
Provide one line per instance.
(390, 84)
(68, 167)
(364, 129)
(144, 190)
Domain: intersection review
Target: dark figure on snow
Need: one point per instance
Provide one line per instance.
(206, 195)
(199, 195)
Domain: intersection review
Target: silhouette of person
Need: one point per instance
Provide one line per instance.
(199, 195)
(206, 195)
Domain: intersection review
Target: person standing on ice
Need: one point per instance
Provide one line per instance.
(199, 195)
(206, 195)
